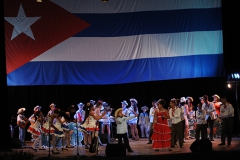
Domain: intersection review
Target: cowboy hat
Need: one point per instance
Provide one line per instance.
(183, 99)
(52, 104)
(80, 104)
(116, 112)
(104, 103)
(133, 100)
(124, 102)
(144, 107)
(21, 110)
(190, 98)
(215, 95)
(37, 108)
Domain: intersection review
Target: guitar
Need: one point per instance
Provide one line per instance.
(21, 124)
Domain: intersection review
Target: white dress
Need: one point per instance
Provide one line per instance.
(58, 125)
(46, 126)
(131, 113)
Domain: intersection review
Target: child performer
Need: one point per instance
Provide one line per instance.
(121, 122)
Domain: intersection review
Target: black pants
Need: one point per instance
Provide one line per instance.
(201, 128)
(210, 123)
(176, 130)
(100, 127)
(227, 129)
(183, 128)
(125, 139)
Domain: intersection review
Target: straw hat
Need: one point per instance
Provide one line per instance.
(215, 95)
(116, 112)
(190, 98)
(21, 110)
(52, 105)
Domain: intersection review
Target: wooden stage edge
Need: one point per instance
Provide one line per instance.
(144, 151)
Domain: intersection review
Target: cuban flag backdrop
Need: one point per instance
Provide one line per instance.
(88, 42)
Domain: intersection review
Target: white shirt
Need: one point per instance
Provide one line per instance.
(200, 117)
(151, 113)
(226, 111)
(176, 117)
(122, 124)
(82, 113)
(210, 110)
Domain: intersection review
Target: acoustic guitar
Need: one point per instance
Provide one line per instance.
(21, 124)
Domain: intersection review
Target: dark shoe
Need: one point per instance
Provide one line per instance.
(57, 149)
(34, 149)
(180, 146)
(55, 152)
(64, 149)
(221, 144)
(229, 144)
(69, 146)
(130, 151)
(169, 149)
(42, 148)
(150, 142)
(87, 147)
(156, 149)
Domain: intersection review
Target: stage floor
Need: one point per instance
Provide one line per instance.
(142, 149)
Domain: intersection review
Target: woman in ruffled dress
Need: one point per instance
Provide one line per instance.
(55, 130)
(161, 132)
(35, 130)
(90, 122)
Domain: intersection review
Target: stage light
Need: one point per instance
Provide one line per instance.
(229, 85)
(104, 0)
(39, 0)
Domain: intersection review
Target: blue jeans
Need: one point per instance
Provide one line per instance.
(22, 133)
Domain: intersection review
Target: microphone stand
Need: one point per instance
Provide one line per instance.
(77, 141)
(49, 142)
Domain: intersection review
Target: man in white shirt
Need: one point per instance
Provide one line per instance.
(210, 115)
(226, 115)
(151, 117)
(176, 129)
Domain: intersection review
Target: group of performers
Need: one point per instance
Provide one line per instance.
(70, 128)
(162, 126)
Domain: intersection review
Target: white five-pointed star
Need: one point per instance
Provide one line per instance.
(21, 23)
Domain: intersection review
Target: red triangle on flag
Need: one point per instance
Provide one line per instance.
(54, 26)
